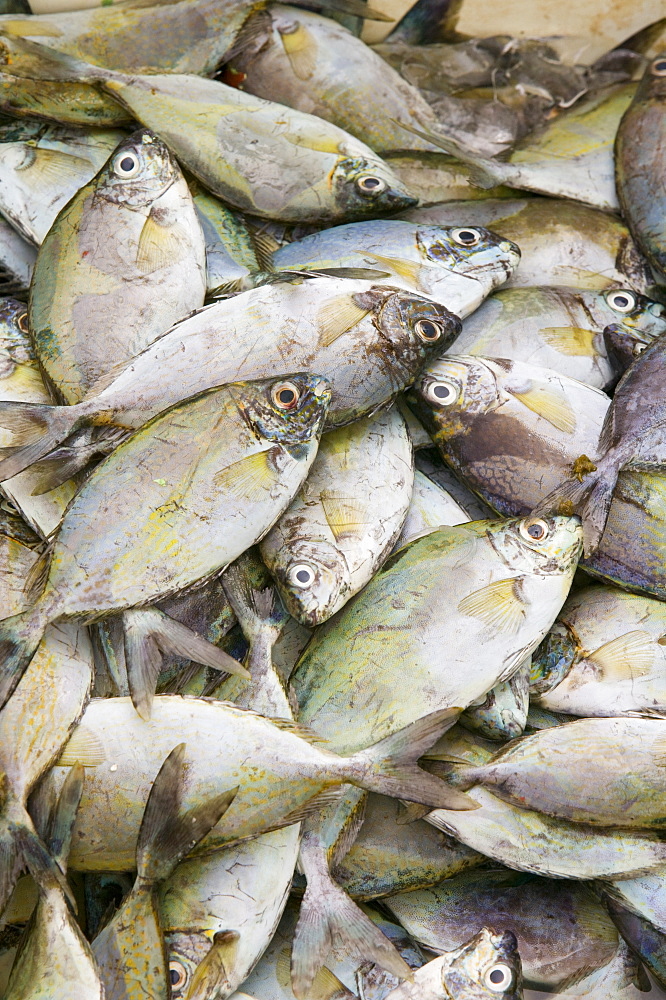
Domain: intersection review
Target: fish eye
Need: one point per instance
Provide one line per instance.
(466, 237)
(285, 395)
(301, 575)
(427, 330)
(441, 391)
(658, 67)
(638, 349)
(498, 978)
(177, 974)
(126, 165)
(371, 185)
(534, 529)
(22, 322)
(621, 301)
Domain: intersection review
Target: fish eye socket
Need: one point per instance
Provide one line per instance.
(498, 978)
(301, 575)
(621, 301)
(22, 322)
(285, 395)
(177, 974)
(428, 330)
(370, 185)
(534, 529)
(126, 165)
(466, 237)
(442, 392)
(658, 67)
(639, 348)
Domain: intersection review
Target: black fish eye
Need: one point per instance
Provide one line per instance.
(639, 348)
(427, 330)
(534, 529)
(659, 67)
(442, 391)
(498, 978)
(622, 301)
(301, 575)
(22, 322)
(466, 237)
(126, 165)
(371, 185)
(177, 974)
(285, 395)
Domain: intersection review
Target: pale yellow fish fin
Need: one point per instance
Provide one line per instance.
(594, 920)
(160, 246)
(248, 478)
(54, 167)
(38, 575)
(344, 515)
(215, 968)
(299, 729)
(300, 47)
(283, 968)
(410, 812)
(410, 270)
(630, 655)
(499, 605)
(326, 985)
(265, 246)
(337, 317)
(84, 747)
(552, 406)
(314, 805)
(30, 28)
(573, 341)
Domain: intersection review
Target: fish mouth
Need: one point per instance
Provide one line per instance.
(399, 200)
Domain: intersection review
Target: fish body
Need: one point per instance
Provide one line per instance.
(480, 561)
(56, 101)
(436, 177)
(42, 166)
(230, 254)
(603, 657)
(561, 928)
(334, 536)
(456, 266)
(639, 167)
(124, 261)
(612, 773)
(285, 772)
(180, 499)
(562, 329)
(561, 242)
(430, 507)
(368, 341)
(510, 429)
(312, 63)
(17, 260)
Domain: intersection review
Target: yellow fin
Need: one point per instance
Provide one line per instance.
(312, 138)
(28, 28)
(54, 167)
(337, 317)
(407, 269)
(498, 605)
(550, 405)
(283, 968)
(213, 971)
(301, 50)
(300, 730)
(83, 748)
(573, 341)
(594, 920)
(343, 514)
(248, 478)
(159, 246)
(630, 655)
(326, 985)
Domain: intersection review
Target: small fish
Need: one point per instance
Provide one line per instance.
(561, 242)
(123, 262)
(335, 535)
(604, 656)
(503, 713)
(456, 266)
(369, 341)
(233, 456)
(563, 329)
(609, 772)
(42, 166)
(639, 167)
(130, 950)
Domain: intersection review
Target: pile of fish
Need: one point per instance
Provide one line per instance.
(333, 507)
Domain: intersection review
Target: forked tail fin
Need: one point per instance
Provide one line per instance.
(36, 429)
(590, 499)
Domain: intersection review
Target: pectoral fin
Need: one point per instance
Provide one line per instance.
(573, 341)
(499, 605)
(300, 47)
(249, 478)
(337, 317)
(159, 246)
(344, 515)
(630, 655)
(552, 406)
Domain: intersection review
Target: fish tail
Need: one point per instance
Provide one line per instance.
(167, 834)
(36, 429)
(58, 66)
(149, 633)
(390, 766)
(21, 847)
(329, 917)
(483, 171)
(20, 636)
(589, 499)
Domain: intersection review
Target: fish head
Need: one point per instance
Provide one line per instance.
(653, 85)
(451, 393)
(626, 308)
(487, 966)
(289, 411)
(470, 251)
(364, 186)
(312, 576)
(623, 345)
(413, 329)
(201, 963)
(15, 346)
(138, 172)
(553, 659)
(539, 545)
